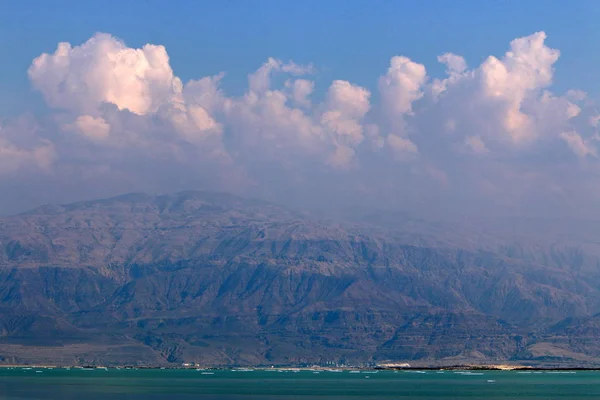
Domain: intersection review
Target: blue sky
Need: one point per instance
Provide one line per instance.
(428, 106)
(350, 40)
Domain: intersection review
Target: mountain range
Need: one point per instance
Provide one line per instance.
(216, 279)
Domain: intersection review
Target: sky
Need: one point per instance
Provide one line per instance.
(431, 107)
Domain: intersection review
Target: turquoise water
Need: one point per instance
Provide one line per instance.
(61, 384)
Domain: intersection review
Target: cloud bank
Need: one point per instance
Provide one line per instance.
(487, 137)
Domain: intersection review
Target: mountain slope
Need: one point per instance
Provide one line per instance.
(218, 279)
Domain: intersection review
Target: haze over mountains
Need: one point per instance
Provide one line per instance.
(221, 280)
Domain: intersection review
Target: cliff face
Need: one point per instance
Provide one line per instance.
(217, 279)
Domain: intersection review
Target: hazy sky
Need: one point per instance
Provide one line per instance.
(462, 107)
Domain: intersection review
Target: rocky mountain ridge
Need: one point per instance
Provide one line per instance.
(217, 279)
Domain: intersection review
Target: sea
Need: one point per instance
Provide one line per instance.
(133, 384)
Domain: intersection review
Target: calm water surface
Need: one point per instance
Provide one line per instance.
(61, 384)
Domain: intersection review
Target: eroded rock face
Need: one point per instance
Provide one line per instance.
(217, 279)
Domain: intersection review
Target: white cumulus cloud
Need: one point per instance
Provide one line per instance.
(125, 115)
(95, 128)
(504, 99)
(105, 70)
(580, 147)
(346, 105)
(401, 86)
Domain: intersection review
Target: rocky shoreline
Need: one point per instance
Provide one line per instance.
(314, 368)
